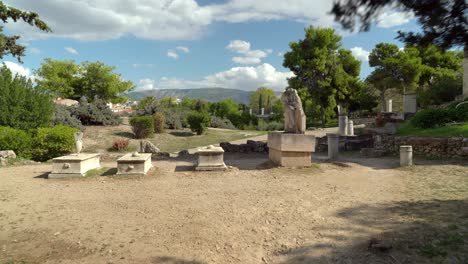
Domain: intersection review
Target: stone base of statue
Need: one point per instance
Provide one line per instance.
(291, 150)
(74, 165)
(134, 164)
(211, 158)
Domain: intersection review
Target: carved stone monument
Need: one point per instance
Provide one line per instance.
(75, 165)
(211, 158)
(292, 148)
(134, 164)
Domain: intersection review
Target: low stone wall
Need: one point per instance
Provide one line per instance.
(437, 147)
(251, 146)
(346, 143)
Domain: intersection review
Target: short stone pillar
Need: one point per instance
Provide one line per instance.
(333, 141)
(134, 164)
(290, 150)
(250, 111)
(389, 106)
(211, 158)
(74, 165)
(338, 109)
(343, 124)
(406, 156)
(409, 103)
(350, 128)
(262, 111)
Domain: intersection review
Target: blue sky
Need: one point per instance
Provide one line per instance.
(186, 43)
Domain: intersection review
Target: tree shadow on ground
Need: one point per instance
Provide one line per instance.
(182, 134)
(432, 231)
(173, 260)
(248, 161)
(125, 134)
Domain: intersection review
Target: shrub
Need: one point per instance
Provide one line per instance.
(63, 116)
(120, 144)
(16, 140)
(274, 126)
(22, 106)
(218, 122)
(458, 114)
(198, 122)
(95, 113)
(51, 142)
(430, 118)
(142, 126)
(159, 122)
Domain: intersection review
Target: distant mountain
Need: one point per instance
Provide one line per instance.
(209, 94)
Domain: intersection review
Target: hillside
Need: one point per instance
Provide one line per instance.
(209, 94)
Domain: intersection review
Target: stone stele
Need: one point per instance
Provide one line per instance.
(134, 164)
(74, 165)
(210, 158)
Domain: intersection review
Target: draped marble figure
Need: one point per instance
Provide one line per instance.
(294, 117)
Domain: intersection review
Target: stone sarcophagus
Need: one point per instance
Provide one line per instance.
(210, 158)
(291, 150)
(75, 165)
(134, 164)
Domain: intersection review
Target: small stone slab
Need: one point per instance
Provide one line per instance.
(134, 164)
(211, 159)
(75, 165)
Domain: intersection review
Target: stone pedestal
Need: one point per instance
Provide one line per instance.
(409, 103)
(406, 156)
(291, 150)
(134, 164)
(350, 128)
(343, 124)
(210, 159)
(333, 141)
(74, 165)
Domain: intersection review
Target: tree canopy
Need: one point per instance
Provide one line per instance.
(444, 22)
(8, 44)
(263, 97)
(91, 79)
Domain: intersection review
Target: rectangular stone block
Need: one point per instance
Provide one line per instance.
(131, 164)
(291, 150)
(210, 159)
(74, 165)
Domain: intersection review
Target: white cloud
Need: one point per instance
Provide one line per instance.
(172, 54)
(244, 78)
(183, 49)
(142, 65)
(248, 56)
(159, 20)
(34, 50)
(392, 19)
(71, 50)
(146, 84)
(18, 69)
(280, 54)
(360, 53)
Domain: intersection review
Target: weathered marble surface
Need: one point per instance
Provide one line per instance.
(294, 117)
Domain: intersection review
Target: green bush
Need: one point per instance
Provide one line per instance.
(198, 122)
(16, 140)
(458, 114)
(218, 122)
(95, 114)
(142, 126)
(51, 142)
(63, 116)
(22, 106)
(159, 122)
(430, 118)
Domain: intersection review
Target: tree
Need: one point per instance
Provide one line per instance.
(223, 108)
(394, 68)
(321, 67)
(90, 79)
(22, 106)
(8, 44)
(59, 78)
(444, 22)
(98, 80)
(263, 97)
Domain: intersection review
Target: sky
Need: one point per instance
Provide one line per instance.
(176, 44)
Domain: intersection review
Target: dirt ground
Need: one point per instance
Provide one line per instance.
(252, 213)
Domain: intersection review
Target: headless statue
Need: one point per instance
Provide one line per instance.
(294, 117)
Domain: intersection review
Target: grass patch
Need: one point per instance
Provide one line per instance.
(407, 129)
(96, 172)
